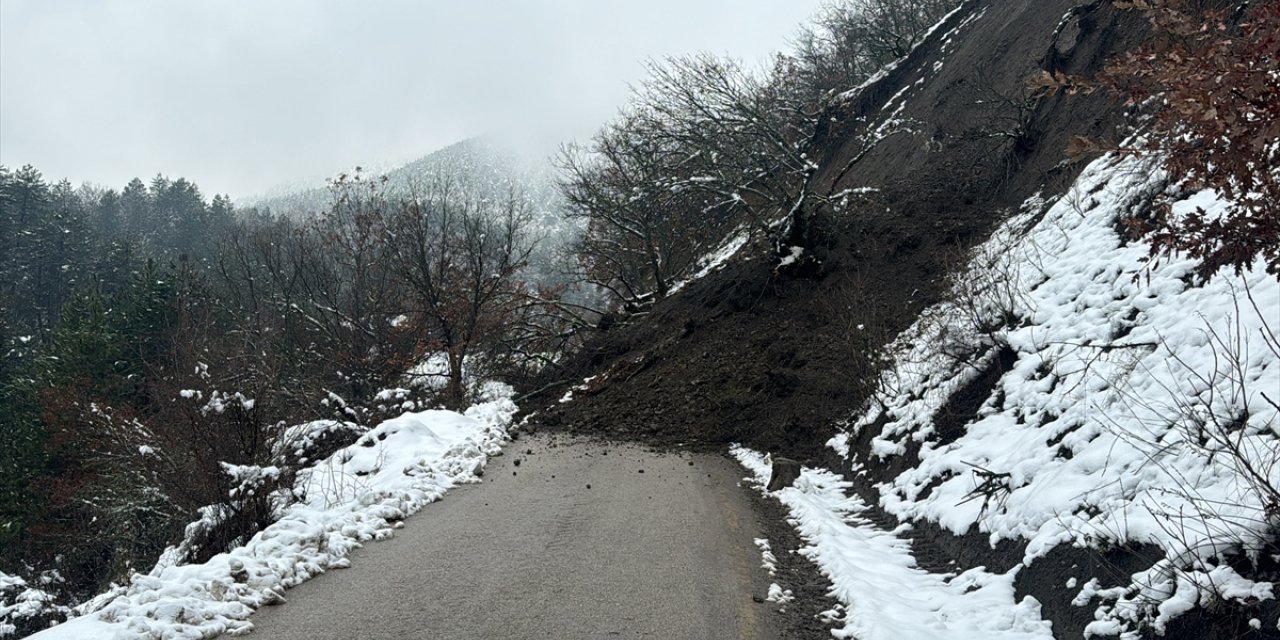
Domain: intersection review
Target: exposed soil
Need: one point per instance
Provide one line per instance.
(748, 354)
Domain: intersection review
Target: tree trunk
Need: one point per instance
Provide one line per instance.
(454, 391)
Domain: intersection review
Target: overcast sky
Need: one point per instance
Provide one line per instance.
(245, 95)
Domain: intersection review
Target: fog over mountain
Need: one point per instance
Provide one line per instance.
(249, 96)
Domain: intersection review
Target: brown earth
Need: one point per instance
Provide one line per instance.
(747, 354)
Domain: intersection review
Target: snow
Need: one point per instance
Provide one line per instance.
(781, 596)
(301, 438)
(873, 574)
(715, 260)
(584, 386)
(720, 256)
(793, 256)
(1138, 400)
(432, 372)
(219, 401)
(397, 398)
(768, 561)
(361, 493)
(83, 628)
(20, 601)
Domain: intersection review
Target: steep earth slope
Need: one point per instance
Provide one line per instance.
(955, 141)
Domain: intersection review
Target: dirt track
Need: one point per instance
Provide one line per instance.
(663, 553)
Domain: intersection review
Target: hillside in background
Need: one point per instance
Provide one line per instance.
(483, 164)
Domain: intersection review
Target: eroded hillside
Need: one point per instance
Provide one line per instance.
(932, 154)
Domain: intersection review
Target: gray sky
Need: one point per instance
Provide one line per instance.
(242, 96)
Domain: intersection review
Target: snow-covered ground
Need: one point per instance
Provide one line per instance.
(1132, 404)
(361, 493)
(873, 574)
(22, 601)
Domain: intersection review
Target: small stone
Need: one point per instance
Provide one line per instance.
(641, 471)
(784, 472)
(588, 486)
(517, 462)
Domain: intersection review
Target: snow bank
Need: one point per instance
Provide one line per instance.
(1139, 406)
(884, 595)
(360, 493)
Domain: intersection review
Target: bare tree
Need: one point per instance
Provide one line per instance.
(370, 298)
(740, 142)
(643, 231)
(850, 40)
(462, 258)
(704, 147)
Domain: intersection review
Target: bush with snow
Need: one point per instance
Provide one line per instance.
(360, 493)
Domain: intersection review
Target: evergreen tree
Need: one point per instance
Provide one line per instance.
(108, 218)
(24, 202)
(221, 215)
(22, 453)
(136, 210)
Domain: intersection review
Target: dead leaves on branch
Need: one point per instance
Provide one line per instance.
(1212, 81)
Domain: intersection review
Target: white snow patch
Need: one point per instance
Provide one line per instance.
(1129, 384)
(715, 260)
(872, 571)
(768, 561)
(793, 256)
(780, 596)
(359, 494)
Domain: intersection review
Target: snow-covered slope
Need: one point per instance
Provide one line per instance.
(885, 595)
(1131, 405)
(361, 493)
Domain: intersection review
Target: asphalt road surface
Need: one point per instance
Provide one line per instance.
(578, 539)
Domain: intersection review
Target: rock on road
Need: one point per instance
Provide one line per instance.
(578, 539)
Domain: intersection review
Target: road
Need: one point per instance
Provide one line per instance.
(566, 538)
